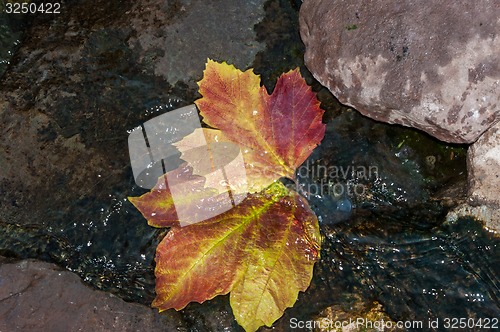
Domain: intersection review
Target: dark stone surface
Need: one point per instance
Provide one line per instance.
(175, 37)
(68, 304)
(434, 67)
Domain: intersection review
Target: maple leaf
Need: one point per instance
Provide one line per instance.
(245, 233)
(263, 251)
(276, 132)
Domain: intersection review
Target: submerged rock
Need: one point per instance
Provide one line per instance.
(174, 38)
(77, 85)
(68, 305)
(380, 167)
(434, 67)
(363, 317)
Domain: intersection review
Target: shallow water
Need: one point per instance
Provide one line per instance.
(388, 243)
(416, 270)
(11, 33)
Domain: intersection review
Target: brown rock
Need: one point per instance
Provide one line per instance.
(432, 66)
(38, 296)
(487, 214)
(484, 180)
(484, 168)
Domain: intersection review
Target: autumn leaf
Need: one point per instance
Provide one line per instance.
(243, 231)
(276, 133)
(280, 264)
(263, 251)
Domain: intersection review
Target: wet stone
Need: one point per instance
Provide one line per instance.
(433, 67)
(68, 304)
(194, 30)
(483, 160)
